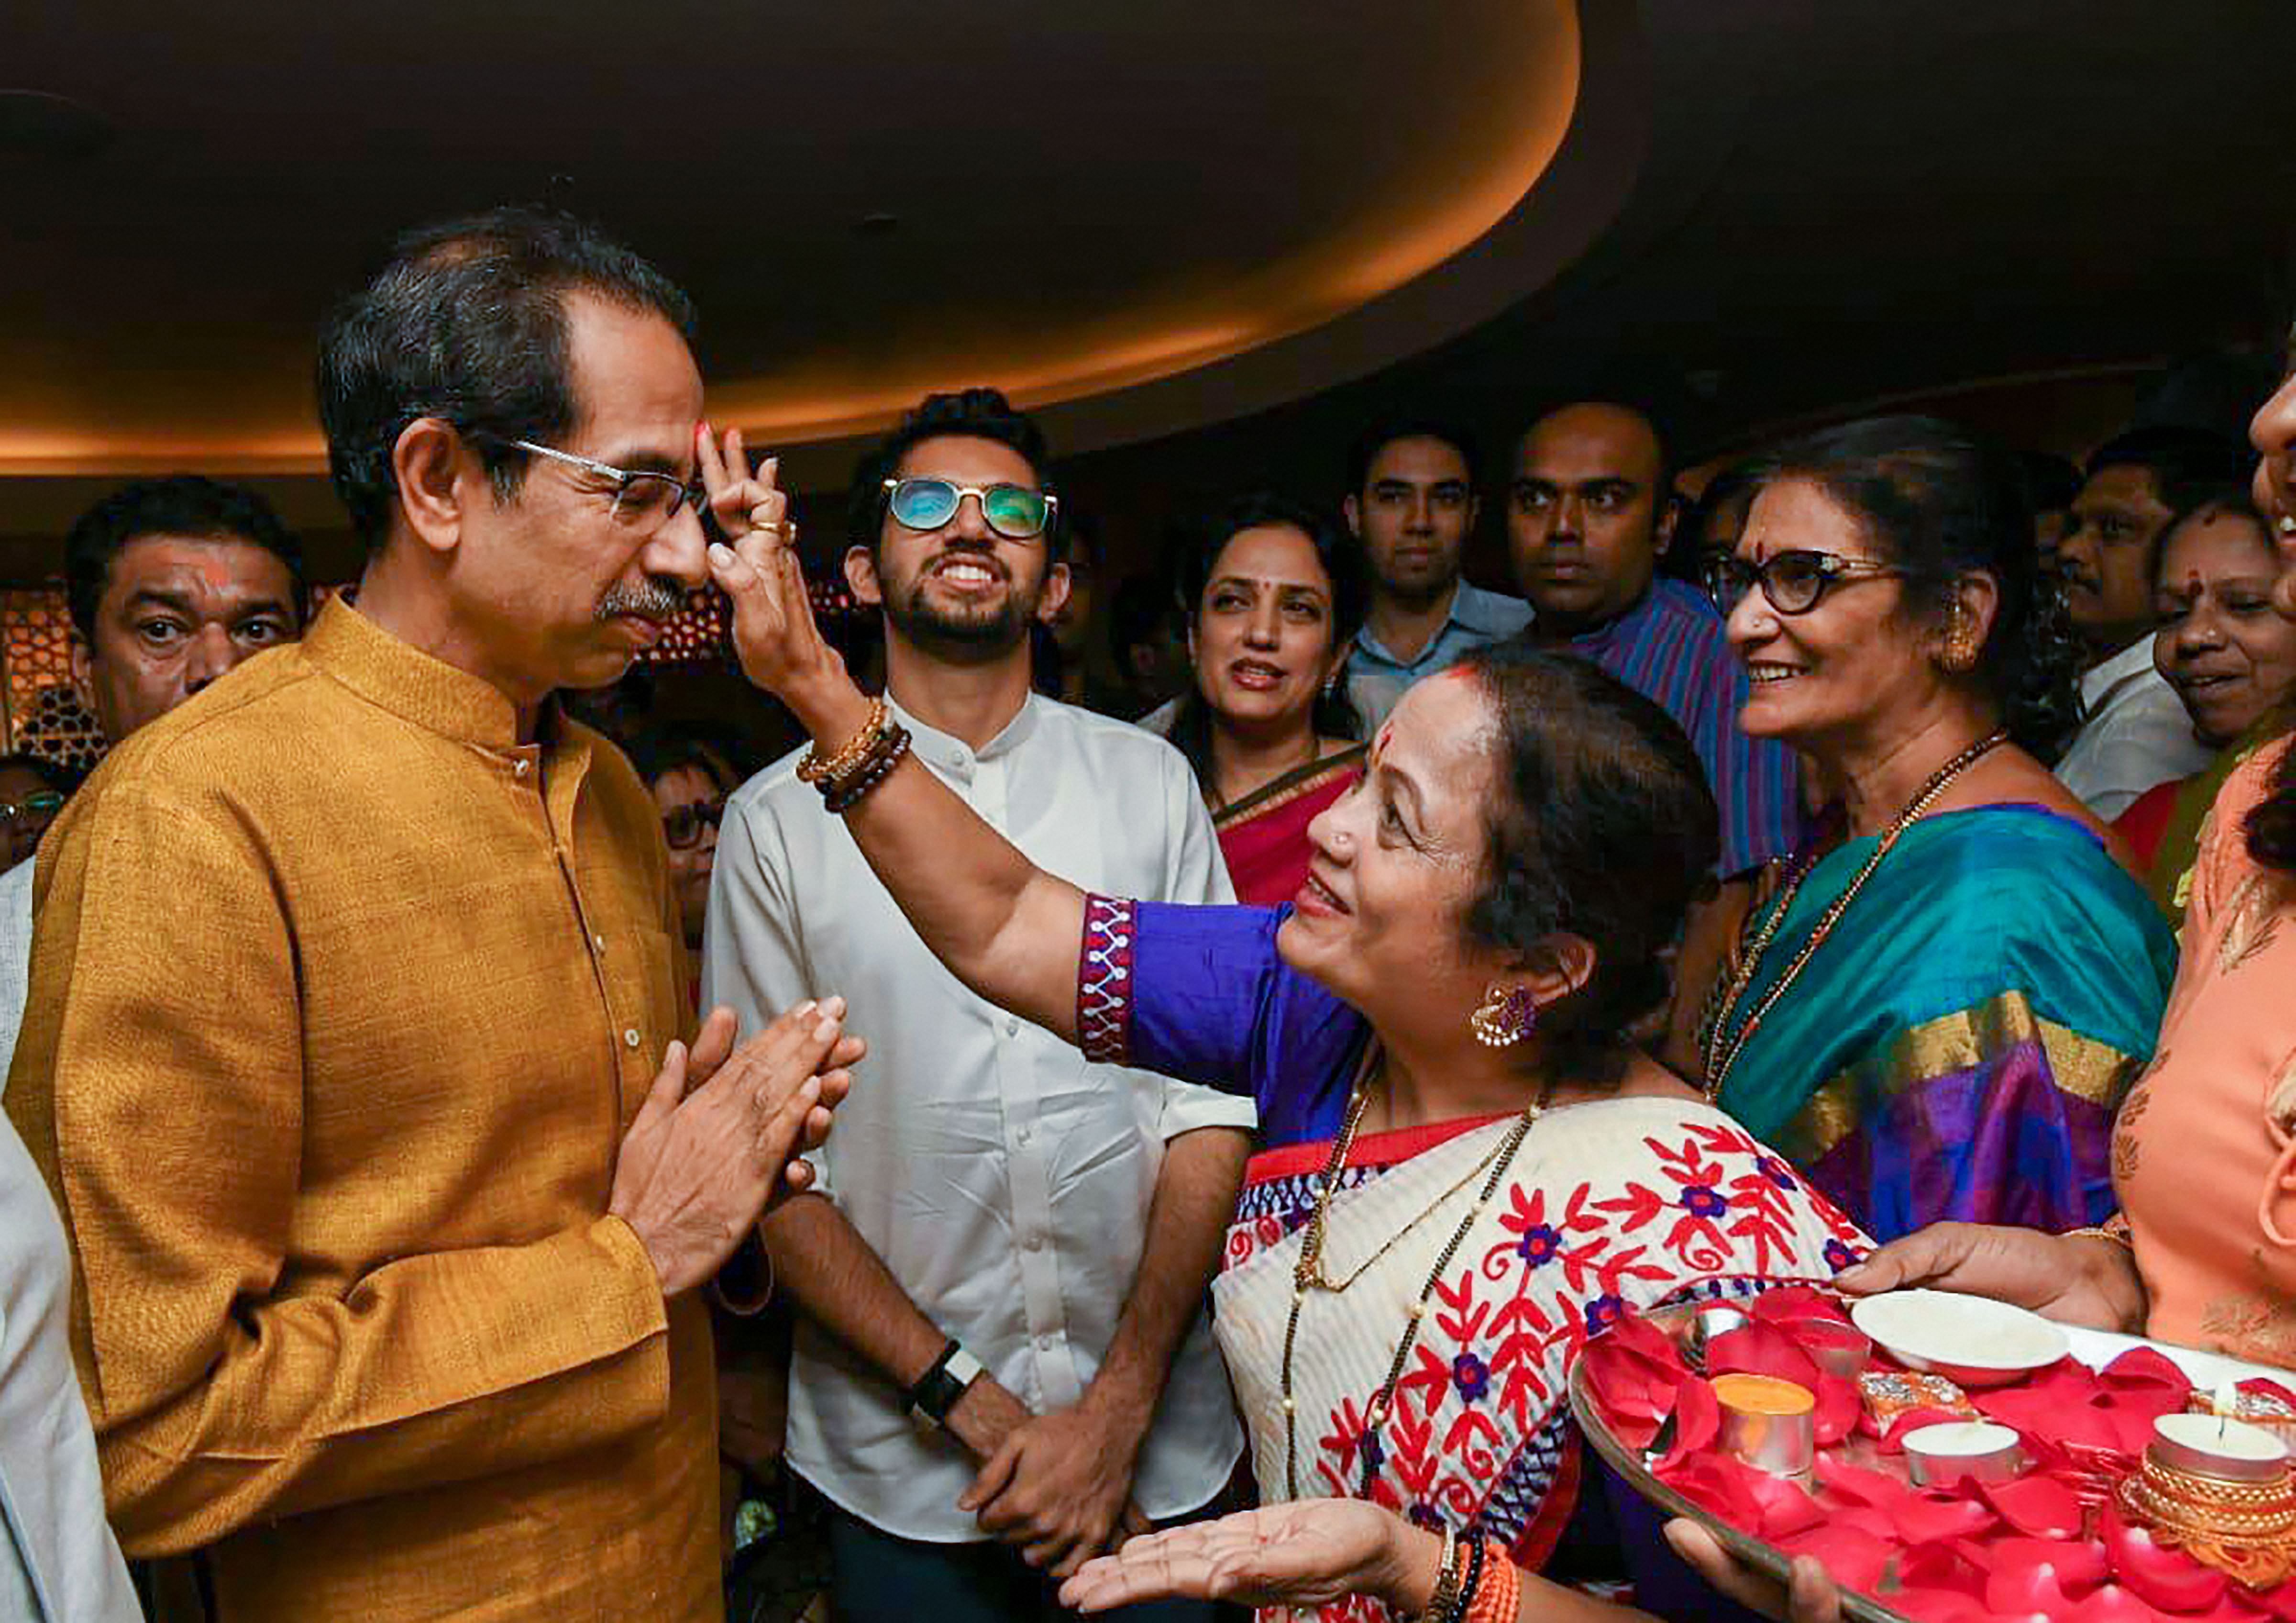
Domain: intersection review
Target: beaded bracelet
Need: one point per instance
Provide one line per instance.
(1496, 1598)
(817, 770)
(1471, 1582)
(841, 797)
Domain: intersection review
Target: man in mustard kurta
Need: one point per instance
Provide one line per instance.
(351, 982)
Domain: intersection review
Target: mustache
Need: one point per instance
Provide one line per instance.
(653, 599)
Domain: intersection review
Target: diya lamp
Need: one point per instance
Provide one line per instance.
(1768, 1423)
(1709, 1325)
(1836, 1346)
(1941, 1455)
(2221, 1490)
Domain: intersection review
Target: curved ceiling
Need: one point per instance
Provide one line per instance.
(866, 199)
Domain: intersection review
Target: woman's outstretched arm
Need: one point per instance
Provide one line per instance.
(1003, 926)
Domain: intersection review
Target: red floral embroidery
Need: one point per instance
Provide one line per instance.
(1479, 1396)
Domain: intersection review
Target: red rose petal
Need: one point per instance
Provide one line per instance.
(1697, 1419)
(2114, 1604)
(2039, 1506)
(2143, 1367)
(1758, 1348)
(1788, 1302)
(2169, 1579)
(2020, 1587)
(1855, 1558)
(1941, 1606)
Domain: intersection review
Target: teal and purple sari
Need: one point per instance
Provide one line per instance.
(1957, 1046)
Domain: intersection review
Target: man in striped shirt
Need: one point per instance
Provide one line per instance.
(1587, 519)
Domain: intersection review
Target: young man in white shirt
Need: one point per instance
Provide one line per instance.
(2135, 732)
(1003, 1364)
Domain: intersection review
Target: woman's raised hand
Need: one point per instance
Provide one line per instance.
(780, 647)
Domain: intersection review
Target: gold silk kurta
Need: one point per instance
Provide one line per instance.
(340, 1001)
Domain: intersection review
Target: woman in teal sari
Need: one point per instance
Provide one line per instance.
(1940, 1006)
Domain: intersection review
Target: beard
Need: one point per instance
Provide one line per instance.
(969, 633)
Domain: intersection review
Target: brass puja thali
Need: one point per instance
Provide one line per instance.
(1950, 1459)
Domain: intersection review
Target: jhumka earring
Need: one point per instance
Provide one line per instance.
(1508, 1015)
(1960, 646)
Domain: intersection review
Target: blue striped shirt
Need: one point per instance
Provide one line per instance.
(1670, 647)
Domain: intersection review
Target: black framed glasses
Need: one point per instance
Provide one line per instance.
(37, 806)
(1794, 580)
(644, 499)
(682, 826)
(1017, 512)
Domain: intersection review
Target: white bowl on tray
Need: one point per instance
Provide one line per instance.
(1970, 1340)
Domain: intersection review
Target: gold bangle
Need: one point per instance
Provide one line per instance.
(1444, 1599)
(816, 769)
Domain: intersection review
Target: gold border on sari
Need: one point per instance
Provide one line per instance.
(1301, 780)
(2081, 1067)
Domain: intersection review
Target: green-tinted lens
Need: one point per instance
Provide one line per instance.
(1013, 510)
(924, 504)
(44, 800)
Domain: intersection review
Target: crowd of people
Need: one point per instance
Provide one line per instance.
(438, 1136)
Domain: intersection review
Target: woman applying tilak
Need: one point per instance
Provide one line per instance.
(1471, 1170)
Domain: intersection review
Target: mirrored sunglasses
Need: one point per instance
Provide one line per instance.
(1017, 512)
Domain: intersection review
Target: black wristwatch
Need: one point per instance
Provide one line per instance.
(939, 1388)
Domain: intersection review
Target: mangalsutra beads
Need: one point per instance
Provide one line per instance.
(1718, 1044)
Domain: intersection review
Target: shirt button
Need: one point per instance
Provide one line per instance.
(521, 768)
(631, 1037)
(1011, 1027)
(598, 942)
(1044, 1344)
(1023, 1136)
(1035, 1243)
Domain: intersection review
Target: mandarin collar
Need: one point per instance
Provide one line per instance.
(396, 676)
(948, 750)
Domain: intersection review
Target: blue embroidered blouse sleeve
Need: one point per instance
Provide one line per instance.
(1201, 994)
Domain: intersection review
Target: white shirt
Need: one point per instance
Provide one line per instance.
(2138, 734)
(65, 1566)
(1003, 1181)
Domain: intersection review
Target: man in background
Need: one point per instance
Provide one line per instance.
(2134, 732)
(1411, 504)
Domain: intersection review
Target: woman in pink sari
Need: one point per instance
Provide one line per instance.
(1274, 596)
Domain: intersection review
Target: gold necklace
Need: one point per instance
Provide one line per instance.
(1718, 1046)
(1307, 1272)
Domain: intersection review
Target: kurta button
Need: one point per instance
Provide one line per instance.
(521, 768)
(631, 1037)
(598, 942)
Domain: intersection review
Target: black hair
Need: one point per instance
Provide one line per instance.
(2051, 481)
(1387, 430)
(1600, 826)
(1141, 608)
(2233, 501)
(1333, 714)
(658, 751)
(2185, 463)
(467, 322)
(180, 503)
(1939, 502)
(1729, 490)
(972, 414)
